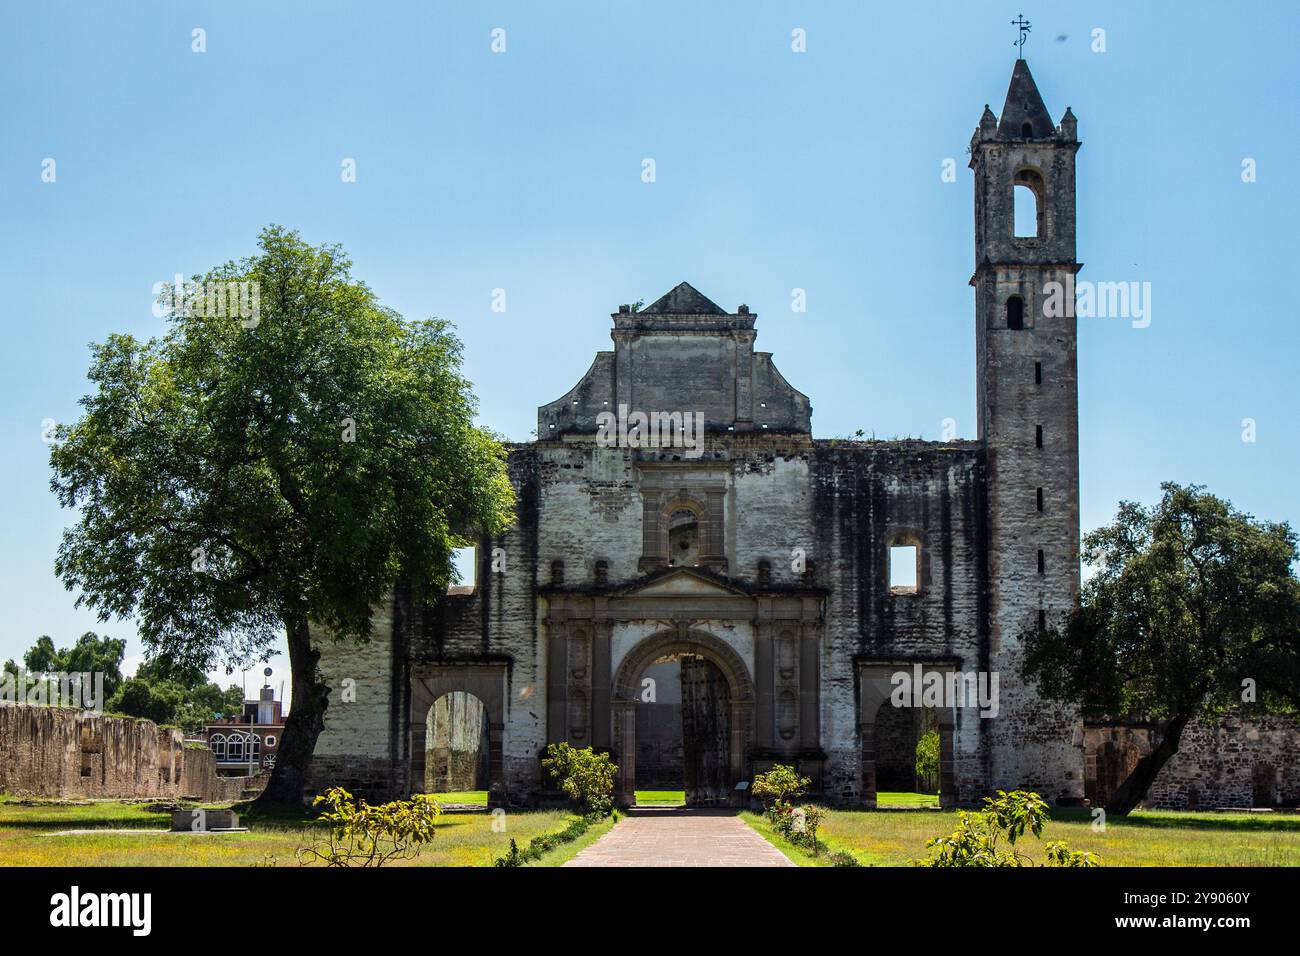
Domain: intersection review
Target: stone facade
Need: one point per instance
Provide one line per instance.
(764, 551)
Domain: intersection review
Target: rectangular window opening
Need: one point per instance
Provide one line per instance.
(464, 562)
(1040, 499)
(1038, 436)
(903, 572)
(1042, 565)
(1038, 373)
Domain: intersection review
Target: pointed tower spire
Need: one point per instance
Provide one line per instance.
(1024, 114)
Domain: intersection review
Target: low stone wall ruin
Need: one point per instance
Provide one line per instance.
(55, 752)
(1234, 762)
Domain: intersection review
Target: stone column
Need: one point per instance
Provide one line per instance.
(556, 682)
(600, 686)
(947, 771)
(715, 504)
(497, 793)
(741, 713)
(578, 684)
(419, 741)
(867, 736)
(625, 733)
(764, 731)
(810, 687)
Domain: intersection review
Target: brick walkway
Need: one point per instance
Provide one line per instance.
(680, 838)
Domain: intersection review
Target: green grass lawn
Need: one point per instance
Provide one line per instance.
(1144, 838)
(907, 799)
(567, 851)
(476, 797)
(660, 798)
(26, 838)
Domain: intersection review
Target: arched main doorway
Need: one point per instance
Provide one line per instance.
(689, 683)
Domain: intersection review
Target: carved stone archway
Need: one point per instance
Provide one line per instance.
(626, 695)
(486, 682)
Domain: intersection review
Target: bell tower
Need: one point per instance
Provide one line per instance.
(1028, 420)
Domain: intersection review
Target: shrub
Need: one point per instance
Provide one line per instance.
(979, 837)
(805, 821)
(546, 842)
(844, 858)
(362, 835)
(778, 785)
(586, 777)
(797, 824)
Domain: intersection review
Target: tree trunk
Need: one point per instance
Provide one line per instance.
(1134, 788)
(287, 786)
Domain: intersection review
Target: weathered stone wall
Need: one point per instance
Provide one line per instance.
(1236, 762)
(865, 497)
(52, 752)
(355, 748)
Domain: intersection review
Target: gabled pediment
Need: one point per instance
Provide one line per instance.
(675, 582)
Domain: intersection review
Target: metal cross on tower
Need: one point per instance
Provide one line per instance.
(1023, 25)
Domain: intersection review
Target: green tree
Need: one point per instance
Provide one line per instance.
(927, 756)
(139, 698)
(91, 654)
(201, 700)
(173, 694)
(245, 475)
(1194, 608)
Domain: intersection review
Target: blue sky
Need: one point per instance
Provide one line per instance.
(775, 170)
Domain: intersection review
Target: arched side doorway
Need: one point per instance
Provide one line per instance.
(457, 745)
(718, 714)
(888, 738)
(484, 684)
(902, 733)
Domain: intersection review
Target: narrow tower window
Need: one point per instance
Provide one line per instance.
(1026, 213)
(1015, 312)
(1038, 436)
(1040, 499)
(1028, 198)
(1042, 566)
(1027, 130)
(1038, 373)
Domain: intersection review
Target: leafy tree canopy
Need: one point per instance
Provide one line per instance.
(246, 474)
(1194, 608)
(91, 654)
